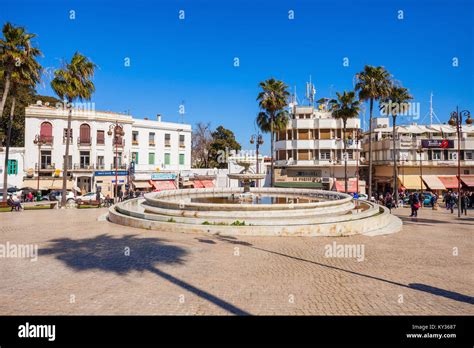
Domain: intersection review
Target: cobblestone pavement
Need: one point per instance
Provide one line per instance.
(86, 266)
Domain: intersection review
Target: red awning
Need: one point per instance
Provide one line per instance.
(351, 186)
(449, 181)
(207, 183)
(163, 185)
(198, 184)
(468, 180)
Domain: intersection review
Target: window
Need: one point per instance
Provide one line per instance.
(436, 155)
(85, 159)
(46, 133)
(167, 139)
(453, 155)
(134, 138)
(69, 162)
(151, 138)
(100, 162)
(135, 157)
(85, 134)
(65, 135)
(100, 137)
(151, 158)
(12, 168)
(45, 159)
(325, 134)
(181, 140)
(167, 159)
(181, 159)
(325, 155)
(117, 161)
(468, 155)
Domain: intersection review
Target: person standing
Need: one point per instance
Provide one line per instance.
(415, 205)
(120, 195)
(464, 203)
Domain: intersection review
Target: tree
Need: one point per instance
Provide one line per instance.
(344, 108)
(272, 100)
(223, 141)
(394, 104)
(373, 83)
(201, 141)
(72, 82)
(18, 67)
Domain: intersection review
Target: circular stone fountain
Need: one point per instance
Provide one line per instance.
(259, 212)
(245, 176)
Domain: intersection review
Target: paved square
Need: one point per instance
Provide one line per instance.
(86, 266)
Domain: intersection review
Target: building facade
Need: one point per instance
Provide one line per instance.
(103, 146)
(14, 167)
(310, 152)
(426, 155)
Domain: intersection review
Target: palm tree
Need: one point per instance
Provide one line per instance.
(395, 103)
(373, 83)
(345, 107)
(72, 82)
(273, 99)
(18, 66)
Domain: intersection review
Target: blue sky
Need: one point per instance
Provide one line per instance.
(191, 60)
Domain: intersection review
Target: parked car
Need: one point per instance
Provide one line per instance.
(426, 199)
(90, 196)
(56, 195)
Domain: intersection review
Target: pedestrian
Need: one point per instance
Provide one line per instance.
(97, 198)
(415, 205)
(389, 201)
(464, 203)
(120, 196)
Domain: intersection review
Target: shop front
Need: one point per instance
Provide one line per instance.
(106, 180)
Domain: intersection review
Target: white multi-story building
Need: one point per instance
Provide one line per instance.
(426, 155)
(100, 143)
(14, 167)
(310, 152)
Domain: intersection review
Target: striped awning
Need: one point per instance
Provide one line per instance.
(411, 182)
(449, 181)
(433, 182)
(163, 185)
(142, 184)
(468, 180)
(48, 183)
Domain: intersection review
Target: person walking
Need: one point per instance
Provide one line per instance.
(120, 196)
(389, 201)
(415, 205)
(464, 203)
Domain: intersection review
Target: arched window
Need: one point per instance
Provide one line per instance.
(85, 134)
(46, 132)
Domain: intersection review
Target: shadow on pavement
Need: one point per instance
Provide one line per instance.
(125, 254)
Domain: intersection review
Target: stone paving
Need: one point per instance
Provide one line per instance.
(87, 265)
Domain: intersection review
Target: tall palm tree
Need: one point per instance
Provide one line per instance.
(18, 66)
(272, 100)
(72, 82)
(373, 83)
(345, 107)
(395, 103)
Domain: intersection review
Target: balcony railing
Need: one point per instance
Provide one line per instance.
(83, 166)
(119, 142)
(134, 142)
(120, 166)
(45, 166)
(84, 141)
(100, 166)
(46, 139)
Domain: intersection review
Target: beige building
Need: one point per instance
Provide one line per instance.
(437, 163)
(310, 152)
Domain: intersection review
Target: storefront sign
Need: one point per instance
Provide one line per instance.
(111, 173)
(163, 176)
(437, 144)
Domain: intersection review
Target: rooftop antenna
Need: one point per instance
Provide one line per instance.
(431, 112)
(310, 92)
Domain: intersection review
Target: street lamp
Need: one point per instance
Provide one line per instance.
(117, 131)
(256, 139)
(420, 152)
(456, 121)
(39, 141)
(358, 137)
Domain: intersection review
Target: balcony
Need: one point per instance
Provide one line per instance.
(84, 141)
(99, 166)
(119, 167)
(119, 142)
(167, 143)
(46, 139)
(151, 143)
(83, 166)
(47, 167)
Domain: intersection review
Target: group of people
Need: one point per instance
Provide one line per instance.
(128, 194)
(451, 200)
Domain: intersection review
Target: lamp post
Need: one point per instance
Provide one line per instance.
(38, 141)
(256, 139)
(358, 137)
(456, 121)
(420, 152)
(117, 131)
